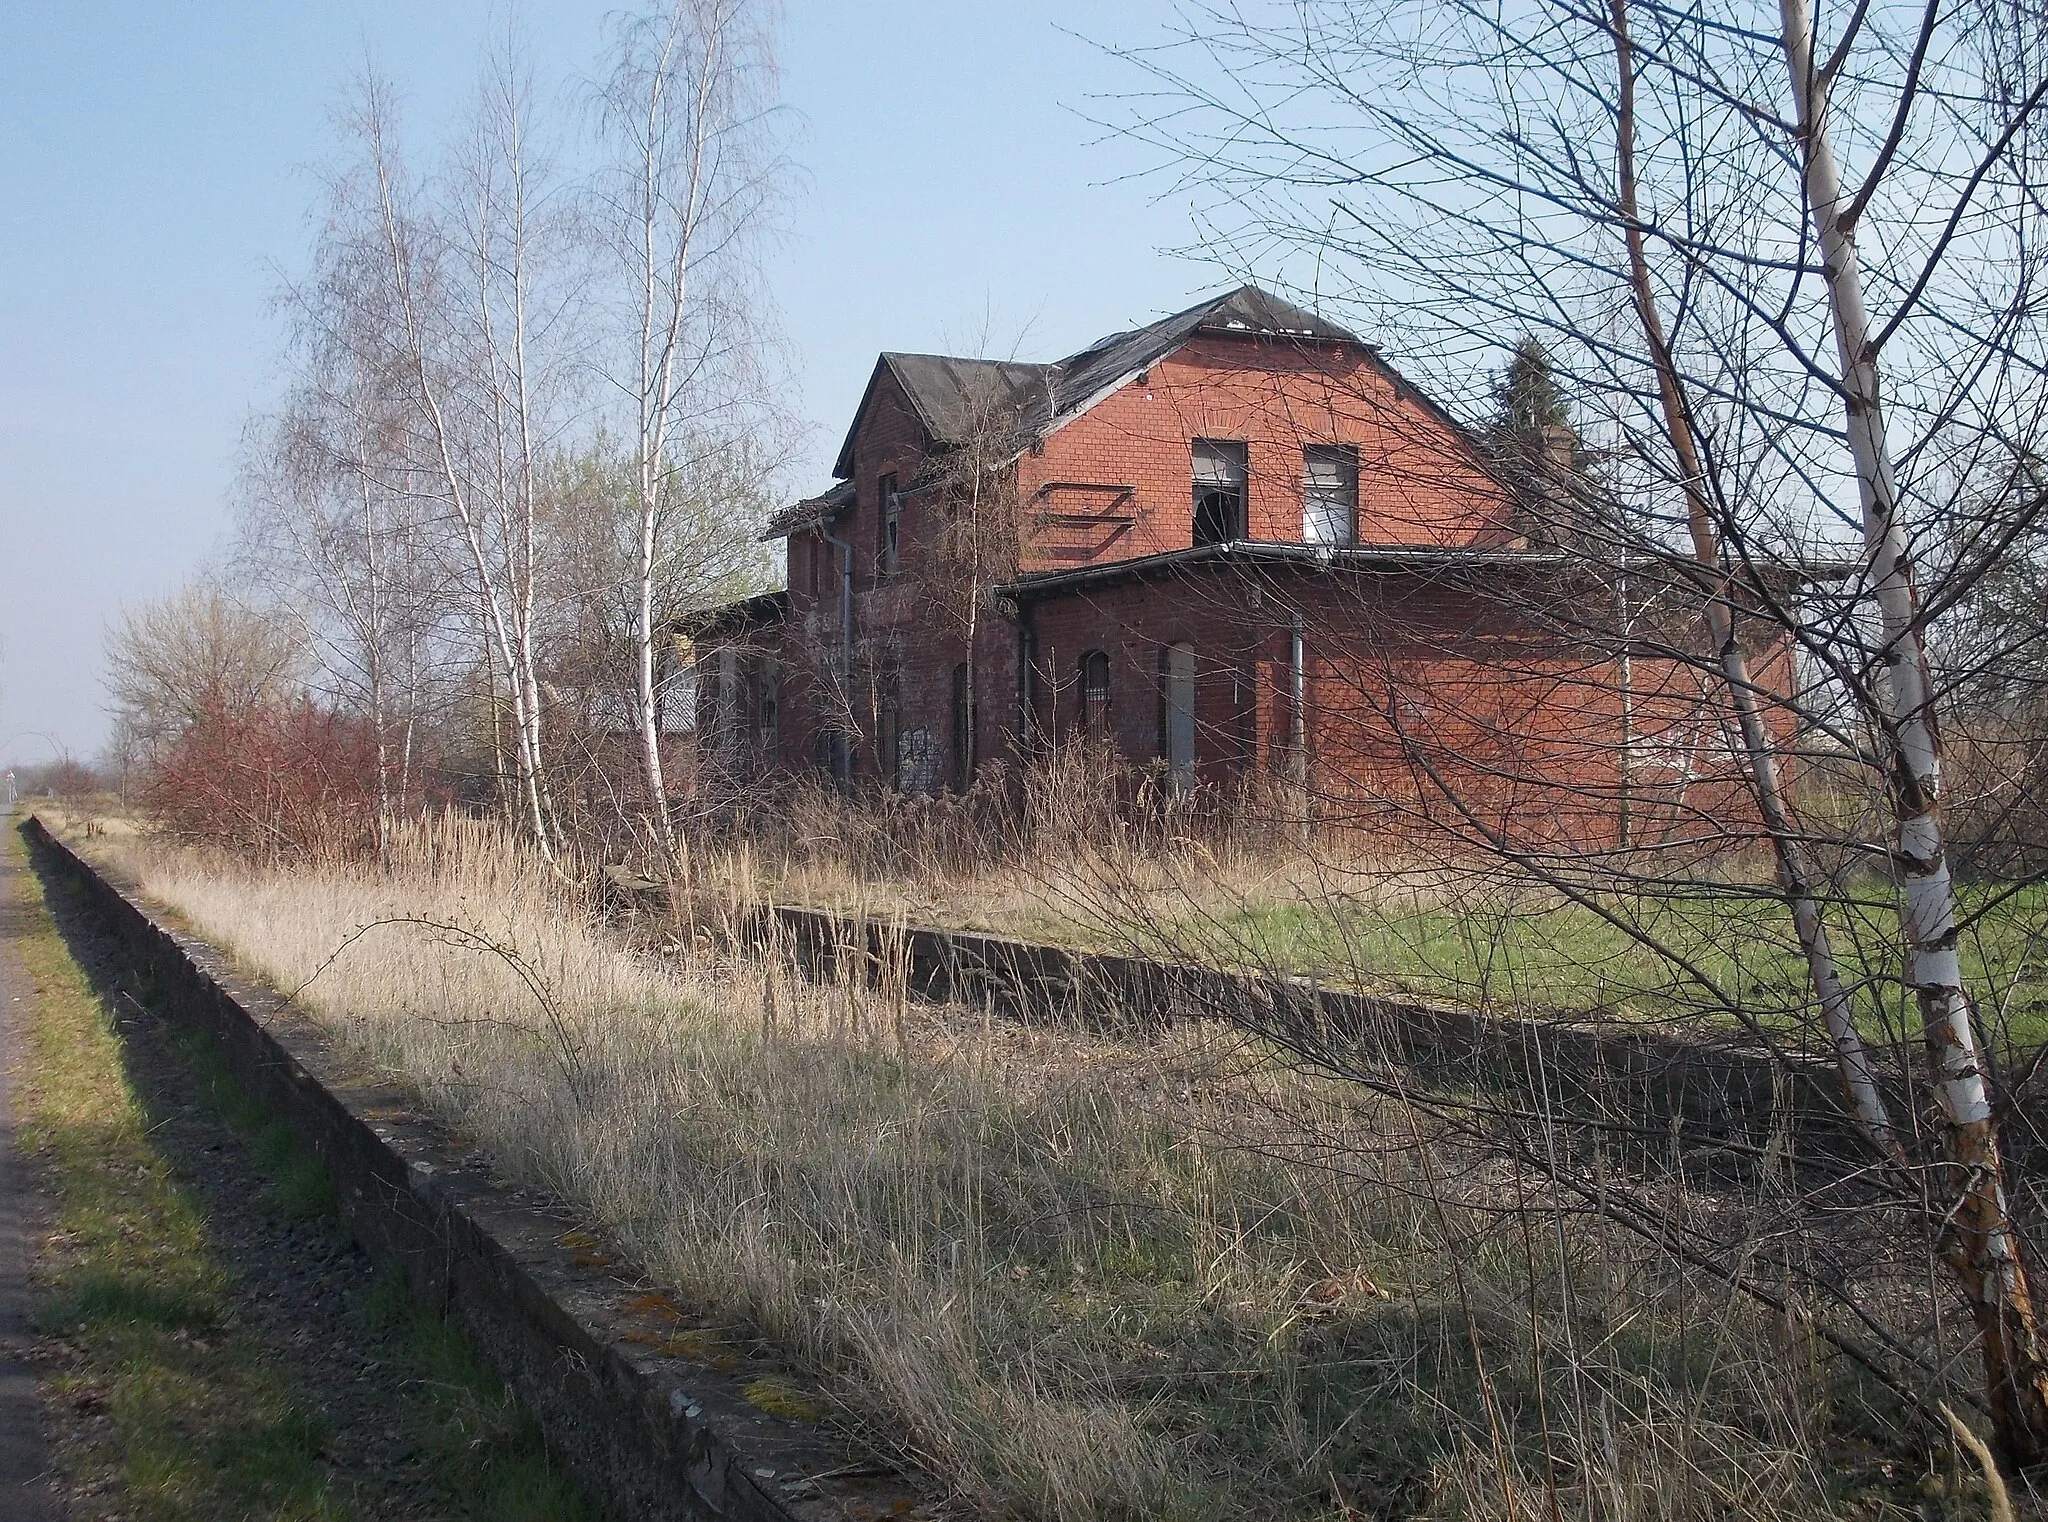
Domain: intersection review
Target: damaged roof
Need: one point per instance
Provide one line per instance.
(810, 512)
(951, 394)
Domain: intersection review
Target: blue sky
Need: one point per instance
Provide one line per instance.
(155, 179)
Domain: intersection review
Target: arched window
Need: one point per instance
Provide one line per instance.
(1095, 694)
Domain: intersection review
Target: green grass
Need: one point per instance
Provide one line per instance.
(1500, 952)
(203, 1424)
(484, 1449)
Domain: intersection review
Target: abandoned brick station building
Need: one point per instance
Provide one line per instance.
(1232, 543)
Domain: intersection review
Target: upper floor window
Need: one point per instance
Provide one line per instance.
(1220, 471)
(1329, 506)
(889, 525)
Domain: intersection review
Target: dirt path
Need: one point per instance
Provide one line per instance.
(271, 1371)
(25, 1483)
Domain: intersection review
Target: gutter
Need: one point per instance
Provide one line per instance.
(1381, 559)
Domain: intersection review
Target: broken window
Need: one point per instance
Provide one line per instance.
(917, 763)
(1220, 471)
(1329, 510)
(1095, 695)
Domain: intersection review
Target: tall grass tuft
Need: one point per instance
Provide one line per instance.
(1078, 1277)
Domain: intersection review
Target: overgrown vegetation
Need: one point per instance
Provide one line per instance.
(1203, 884)
(1083, 1277)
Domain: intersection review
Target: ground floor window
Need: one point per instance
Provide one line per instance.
(1095, 694)
(964, 707)
(888, 742)
(917, 762)
(1177, 714)
(767, 705)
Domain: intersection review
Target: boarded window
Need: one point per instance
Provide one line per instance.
(1177, 715)
(1220, 472)
(1095, 694)
(1329, 510)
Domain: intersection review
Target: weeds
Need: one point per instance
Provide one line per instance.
(1083, 1278)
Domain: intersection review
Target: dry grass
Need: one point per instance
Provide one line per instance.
(1084, 1279)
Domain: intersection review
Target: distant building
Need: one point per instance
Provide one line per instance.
(1232, 545)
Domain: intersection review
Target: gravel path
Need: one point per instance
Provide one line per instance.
(25, 1483)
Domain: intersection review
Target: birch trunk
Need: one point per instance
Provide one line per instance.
(1979, 1239)
(665, 273)
(498, 633)
(1796, 876)
(373, 649)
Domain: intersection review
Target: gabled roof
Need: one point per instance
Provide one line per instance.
(1246, 312)
(950, 394)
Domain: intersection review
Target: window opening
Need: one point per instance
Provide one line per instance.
(727, 713)
(887, 734)
(889, 542)
(1220, 472)
(1095, 694)
(1329, 511)
(767, 707)
(963, 728)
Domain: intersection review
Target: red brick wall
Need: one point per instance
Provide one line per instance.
(1418, 482)
(1424, 700)
(908, 638)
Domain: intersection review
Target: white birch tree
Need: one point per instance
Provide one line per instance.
(691, 179)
